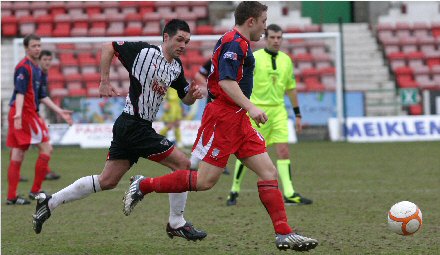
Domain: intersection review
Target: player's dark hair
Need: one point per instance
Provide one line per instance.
(30, 37)
(173, 26)
(248, 9)
(45, 53)
(272, 27)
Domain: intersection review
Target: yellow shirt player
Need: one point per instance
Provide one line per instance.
(172, 115)
(273, 78)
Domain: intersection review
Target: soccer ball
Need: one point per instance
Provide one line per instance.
(404, 218)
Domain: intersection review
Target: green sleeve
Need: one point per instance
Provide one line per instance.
(290, 77)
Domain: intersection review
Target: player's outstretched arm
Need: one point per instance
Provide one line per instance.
(105, 88)
(232, 89)
(293, 95)
(65, 114)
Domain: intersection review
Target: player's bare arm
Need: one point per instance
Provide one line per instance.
(105, 88)
(65, 114)
(234, 92)
(19, 100)
(293, 96)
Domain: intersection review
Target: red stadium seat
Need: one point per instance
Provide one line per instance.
(115, 29)
(432, 59)
(57, 92)
(45, 29)
(151, 29)
(427, 44)
(421, 29)
(404, 71)
(152, 17)
(303, 61)
(435, 29)
(416, 109)
(98, 28)
(133, 31)
(406, 83)
(27, 25)
(322, 61)
(93, 10)
(92, 89)
(293, 29)
(205, 30)
(9, 26)
(146, 10)
(62, 26)
(408, 44)
(55, 76)
(385, 27)
(415, 58)
(86, 59)
(313, 85)
(68, 59)
(312, 28)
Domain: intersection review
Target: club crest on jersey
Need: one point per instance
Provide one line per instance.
(230, 55)
(164, 142)
(158, 88)
(215, 153)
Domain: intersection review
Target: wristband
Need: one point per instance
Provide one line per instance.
(296, 111)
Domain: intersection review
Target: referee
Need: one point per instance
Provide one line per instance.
(152, 71)
(273, 78)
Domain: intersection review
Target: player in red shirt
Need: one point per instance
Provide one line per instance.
(226, 129)
(26, 127)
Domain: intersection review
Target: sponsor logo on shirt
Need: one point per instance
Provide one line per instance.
(230, 55)
(159, 88)
(20, 77)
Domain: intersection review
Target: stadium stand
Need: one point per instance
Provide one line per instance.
(411, 45)
(78, 62)
(408, 47)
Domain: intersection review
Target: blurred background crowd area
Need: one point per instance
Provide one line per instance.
(391, 51)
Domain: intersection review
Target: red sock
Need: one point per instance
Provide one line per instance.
(272, 199)
(13, 178)
(40, 172)
(175, 182)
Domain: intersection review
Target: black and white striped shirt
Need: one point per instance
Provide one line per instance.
(150, 77)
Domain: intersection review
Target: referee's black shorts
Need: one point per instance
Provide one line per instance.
(134, 137)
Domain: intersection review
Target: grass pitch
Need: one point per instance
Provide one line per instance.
(352, 185)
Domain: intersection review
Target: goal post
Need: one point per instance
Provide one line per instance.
(206, 43)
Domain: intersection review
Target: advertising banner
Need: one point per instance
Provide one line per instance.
(388, 129)
(100, 135)
(318, 107)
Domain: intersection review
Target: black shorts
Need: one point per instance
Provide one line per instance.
(134, 137)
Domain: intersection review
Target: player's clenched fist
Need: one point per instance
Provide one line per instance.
(107, 90)
(257, 115)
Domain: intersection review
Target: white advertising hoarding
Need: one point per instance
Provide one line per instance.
(100, 135)
(388, 129)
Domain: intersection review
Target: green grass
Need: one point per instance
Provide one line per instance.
(352, 185)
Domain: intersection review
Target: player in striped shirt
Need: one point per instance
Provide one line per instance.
(152, 70)
(226, 129)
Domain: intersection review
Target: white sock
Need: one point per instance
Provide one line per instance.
(194, 162)
(81, 188)
(177, 207)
